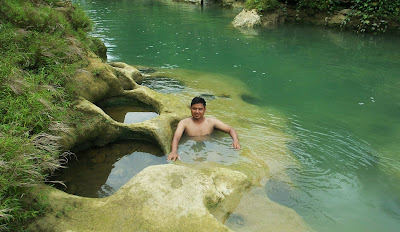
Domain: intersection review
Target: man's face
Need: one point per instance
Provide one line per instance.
(198, 110)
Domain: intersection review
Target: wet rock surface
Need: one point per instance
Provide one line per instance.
(170, 197)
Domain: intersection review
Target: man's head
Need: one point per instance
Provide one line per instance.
(198, 107)
(197, 100)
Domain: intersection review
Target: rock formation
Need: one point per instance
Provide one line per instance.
(171, 197)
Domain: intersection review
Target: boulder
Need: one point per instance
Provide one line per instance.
(97, 81)
(335, 20)
(247, 18)
(160, 198)
(345, 12)
(128, 75)
(272, 19)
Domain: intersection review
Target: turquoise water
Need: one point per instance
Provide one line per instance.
(338, 92)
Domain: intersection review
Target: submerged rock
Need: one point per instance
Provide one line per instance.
(163, 84)
(147, 70)
(256, 212)
(251, 100)
(207, 96)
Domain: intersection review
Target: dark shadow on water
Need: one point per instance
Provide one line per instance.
(207, 96)
(163, 84)
(236, 221)
(251, 100)
(101, 171)
(147, 70)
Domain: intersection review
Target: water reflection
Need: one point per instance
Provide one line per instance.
(101, 171)
(130, 114)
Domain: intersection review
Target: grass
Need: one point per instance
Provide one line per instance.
(42, 43)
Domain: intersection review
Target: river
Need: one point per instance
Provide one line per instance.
(334, 94)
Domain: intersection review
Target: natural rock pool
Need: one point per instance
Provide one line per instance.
(128, 115)
(127, 111)
(319, 107)
(213, 148)
(101, 171)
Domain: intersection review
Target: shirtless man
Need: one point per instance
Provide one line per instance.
(198, 125)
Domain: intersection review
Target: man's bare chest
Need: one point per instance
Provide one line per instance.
(201, 129)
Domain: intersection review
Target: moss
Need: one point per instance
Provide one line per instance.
(98, 47)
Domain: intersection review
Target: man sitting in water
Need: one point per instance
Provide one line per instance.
(198, 125)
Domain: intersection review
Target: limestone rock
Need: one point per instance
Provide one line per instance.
(345, 12)
(186, 197)
(190, 1)
(335, 20)
(272, 19)
(160, 198)
(232, 3)
(258, 213)
(127, 74)
(96, 82)
(247, 18)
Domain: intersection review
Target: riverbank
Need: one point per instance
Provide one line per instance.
(345, 19)
(370, 17)
(43, 43)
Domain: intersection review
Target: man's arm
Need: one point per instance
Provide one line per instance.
(222, 126)
(175, 141)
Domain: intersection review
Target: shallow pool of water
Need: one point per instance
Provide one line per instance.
(216, 147)
(129, 114)
(101, 171)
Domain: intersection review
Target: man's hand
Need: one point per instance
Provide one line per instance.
(173, 156)
(236, 145)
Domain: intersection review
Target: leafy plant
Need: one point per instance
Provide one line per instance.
(262, 5)
(374, 14)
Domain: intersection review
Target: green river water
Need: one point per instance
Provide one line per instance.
(334, 94)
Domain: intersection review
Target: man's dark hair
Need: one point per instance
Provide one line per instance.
(198, 100)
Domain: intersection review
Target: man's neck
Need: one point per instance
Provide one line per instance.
(200, 120)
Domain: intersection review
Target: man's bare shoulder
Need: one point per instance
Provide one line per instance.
(185, 121)
(213, 121)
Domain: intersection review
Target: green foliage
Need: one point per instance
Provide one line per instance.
(374, 14)
(262, 5)
(371, 16)
(80, 20)
(323, 5)
(41, 47)
(98, 47)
